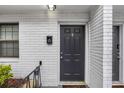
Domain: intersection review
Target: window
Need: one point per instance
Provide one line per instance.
(9, 40)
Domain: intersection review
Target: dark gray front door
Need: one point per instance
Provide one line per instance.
(72, 52)
(116, 58)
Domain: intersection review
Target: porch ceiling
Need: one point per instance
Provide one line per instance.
(17, 9)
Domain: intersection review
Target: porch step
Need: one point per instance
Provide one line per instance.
(74, 86)
(117, 85)
(72, 83)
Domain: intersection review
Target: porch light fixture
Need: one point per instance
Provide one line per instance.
(51, 7)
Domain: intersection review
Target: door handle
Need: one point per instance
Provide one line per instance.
(61, 57)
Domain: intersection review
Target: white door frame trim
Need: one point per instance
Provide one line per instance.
(86, 47)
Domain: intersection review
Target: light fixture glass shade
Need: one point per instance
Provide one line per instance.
(52, 7)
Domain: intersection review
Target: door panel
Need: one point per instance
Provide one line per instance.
(72, 55)
(115, 54)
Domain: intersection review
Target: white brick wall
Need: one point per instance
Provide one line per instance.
(118, 16)
(100, 47)
(107, 46)
(95, 48)
(33, 29)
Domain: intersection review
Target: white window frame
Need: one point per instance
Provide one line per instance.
(13, 59)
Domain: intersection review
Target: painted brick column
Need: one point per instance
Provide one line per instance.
(107, 46)
(100, 47)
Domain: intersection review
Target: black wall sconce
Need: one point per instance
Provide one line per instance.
(49, 40)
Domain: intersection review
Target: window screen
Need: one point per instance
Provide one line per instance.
(9, 40)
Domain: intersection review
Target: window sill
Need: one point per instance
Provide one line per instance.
(7, 60)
